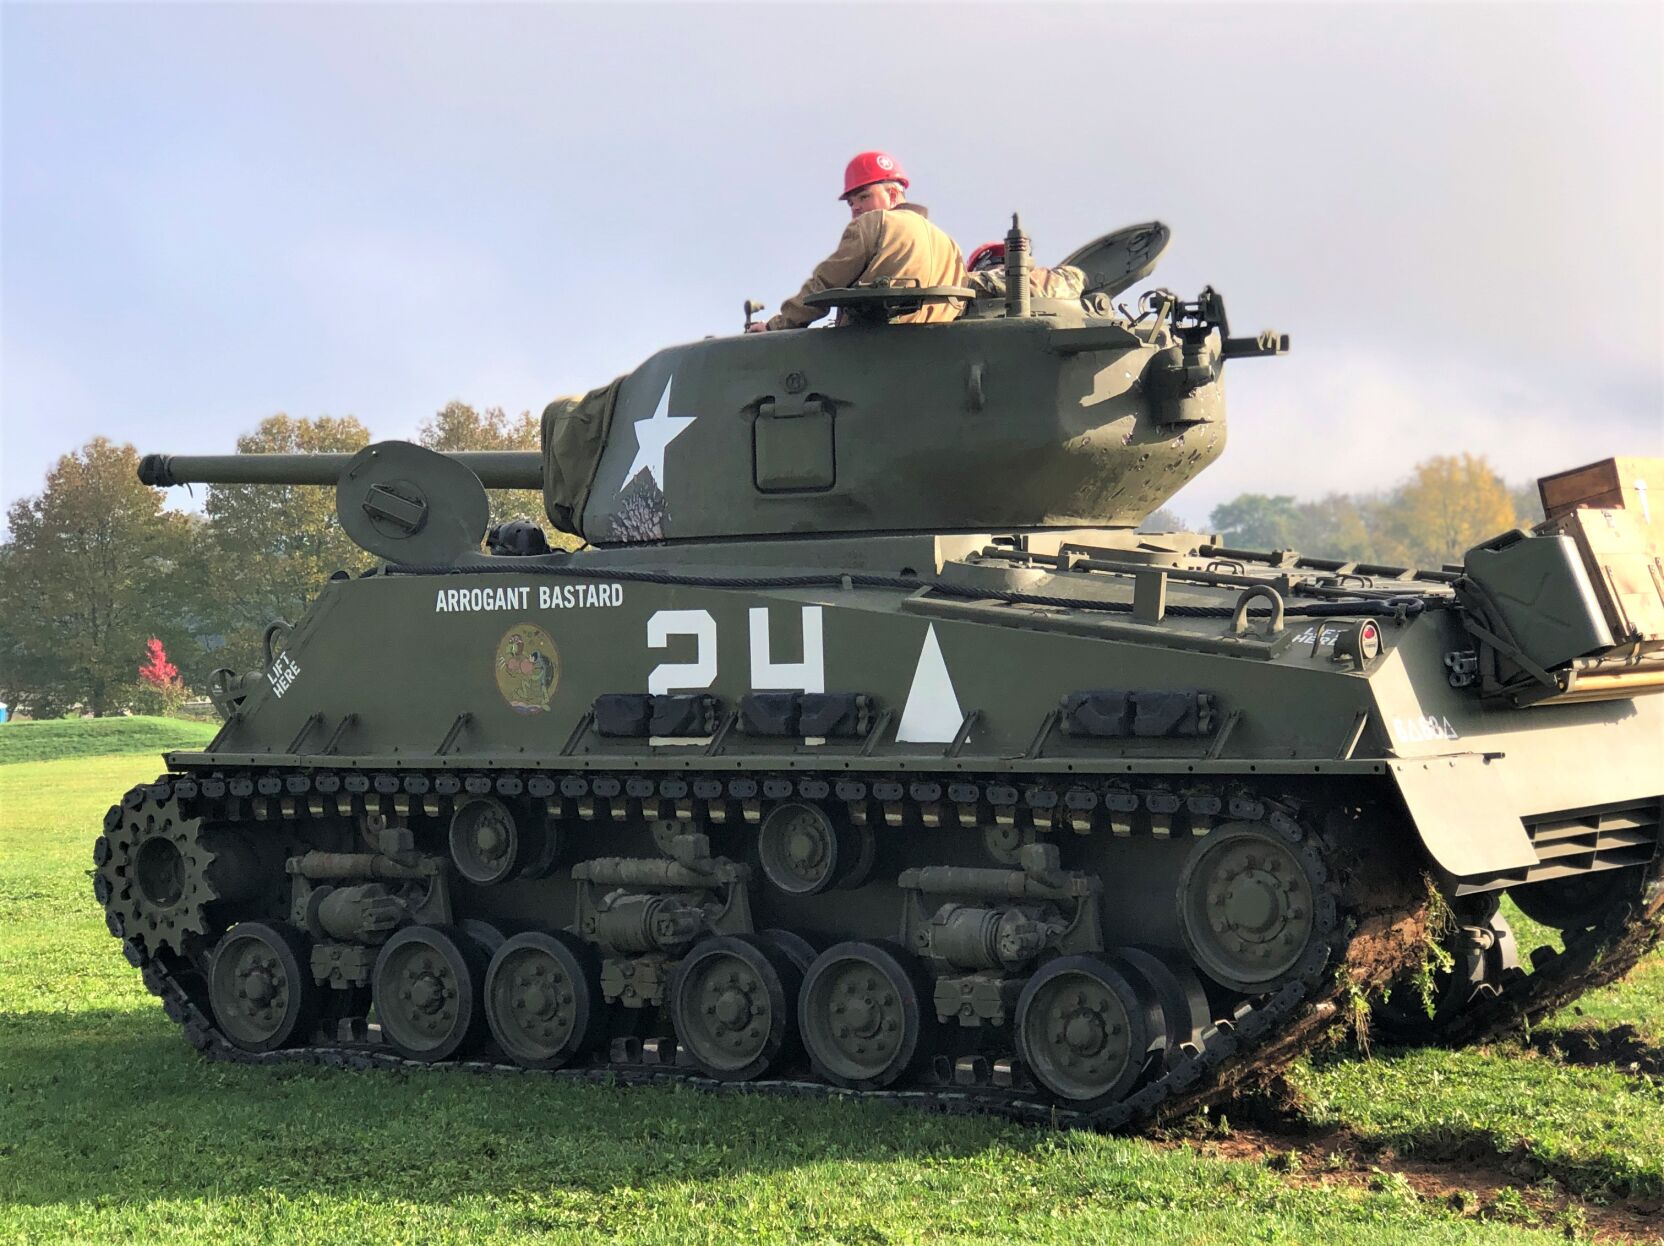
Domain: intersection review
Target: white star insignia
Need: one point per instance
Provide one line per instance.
(652, 436)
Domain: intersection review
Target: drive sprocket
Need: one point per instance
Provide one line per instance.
(160, 871)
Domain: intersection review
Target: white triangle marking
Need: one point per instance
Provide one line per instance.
(932, 714)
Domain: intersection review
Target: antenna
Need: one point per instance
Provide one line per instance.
(1017, 265)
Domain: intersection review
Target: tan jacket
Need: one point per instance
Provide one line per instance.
(898, 243)
(1063, 282)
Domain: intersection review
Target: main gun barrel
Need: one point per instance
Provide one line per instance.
(496, 469)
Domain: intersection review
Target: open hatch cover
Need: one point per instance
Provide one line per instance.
(1117, 260)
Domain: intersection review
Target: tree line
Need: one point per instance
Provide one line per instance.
(1447, 505)
(97, 567)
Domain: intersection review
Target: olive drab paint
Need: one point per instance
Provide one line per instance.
(867, 745)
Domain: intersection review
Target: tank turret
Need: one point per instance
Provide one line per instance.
(1023, 415)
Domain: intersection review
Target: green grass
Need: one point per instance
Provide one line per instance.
(1595, 1130)
(1637, 1001)
(111, 1129)
(89, 737)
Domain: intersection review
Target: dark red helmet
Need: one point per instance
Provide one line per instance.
(988, 255)
(870, 167)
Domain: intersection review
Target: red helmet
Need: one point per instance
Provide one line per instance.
(988, 255)
(870, 167)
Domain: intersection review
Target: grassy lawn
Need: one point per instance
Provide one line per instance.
(87, 737)
(112, 1129)
(1637, 1001)
(1596, 1130)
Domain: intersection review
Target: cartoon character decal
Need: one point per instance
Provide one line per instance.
(528, 668)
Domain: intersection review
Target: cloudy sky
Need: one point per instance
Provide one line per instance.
(211, 213)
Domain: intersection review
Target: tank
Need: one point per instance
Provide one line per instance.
(866, 747)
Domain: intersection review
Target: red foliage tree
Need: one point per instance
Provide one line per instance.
(156, 670)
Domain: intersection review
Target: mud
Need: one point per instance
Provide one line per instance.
(1383, 944)
(1464, 1173)
(1619, 1047)
(1380, 948)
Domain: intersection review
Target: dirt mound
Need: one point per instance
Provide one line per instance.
(1620, 1047)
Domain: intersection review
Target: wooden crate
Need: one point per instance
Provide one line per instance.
(1631, 483)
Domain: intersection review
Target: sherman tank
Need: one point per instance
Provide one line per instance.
(866, 747)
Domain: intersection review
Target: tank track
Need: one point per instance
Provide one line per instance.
(1593, 957)
(1366, 935)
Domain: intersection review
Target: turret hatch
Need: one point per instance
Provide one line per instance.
(1118, 260)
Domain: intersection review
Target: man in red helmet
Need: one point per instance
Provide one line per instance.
(886, 237)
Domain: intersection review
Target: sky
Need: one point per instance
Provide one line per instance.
(213, 213)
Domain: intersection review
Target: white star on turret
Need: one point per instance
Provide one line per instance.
(652, 436)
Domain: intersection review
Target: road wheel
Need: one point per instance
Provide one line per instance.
(427, 985)
(1085, 1031)
(260, 986)
(734, 1003)
(543, 999)
(867, 1014)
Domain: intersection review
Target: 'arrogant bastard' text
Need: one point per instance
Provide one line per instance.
(522, 597)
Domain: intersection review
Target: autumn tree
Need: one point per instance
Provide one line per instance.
(1449, 504)
(266, 550)
(90, 574)
(457, 426)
